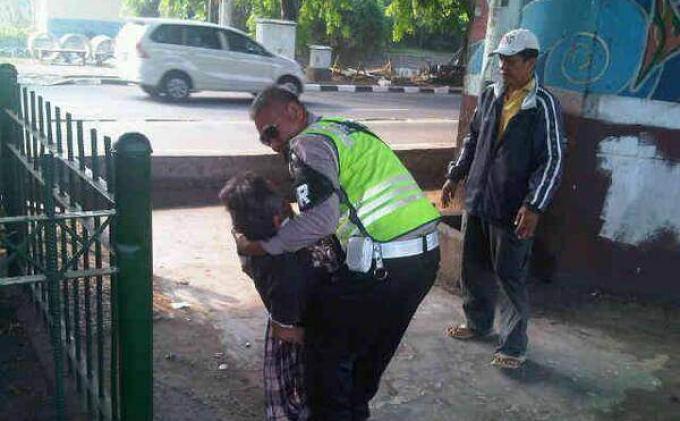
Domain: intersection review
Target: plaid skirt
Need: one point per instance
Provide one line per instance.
(285, 397)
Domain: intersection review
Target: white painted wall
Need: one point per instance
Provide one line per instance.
(644, 195)
(278, 36)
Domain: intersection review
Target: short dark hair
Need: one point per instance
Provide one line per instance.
(270, 95)
(252, 204)
(528, 53)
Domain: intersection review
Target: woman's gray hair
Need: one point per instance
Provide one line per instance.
(273, 94)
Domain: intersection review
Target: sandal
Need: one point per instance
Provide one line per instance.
(507, 361)
(463, 332)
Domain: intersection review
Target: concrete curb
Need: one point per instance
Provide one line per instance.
(179, 181)
(309, 87)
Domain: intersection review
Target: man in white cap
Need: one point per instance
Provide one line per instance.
(512, 160)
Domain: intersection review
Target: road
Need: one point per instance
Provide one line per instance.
(218, 123)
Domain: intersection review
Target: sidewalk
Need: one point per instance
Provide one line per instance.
(591, 357)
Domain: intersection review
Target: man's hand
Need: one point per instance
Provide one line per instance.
(525, 223)
(294, 335)
(245, 247)
(448, 192)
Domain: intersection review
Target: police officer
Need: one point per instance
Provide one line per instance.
(349, 182)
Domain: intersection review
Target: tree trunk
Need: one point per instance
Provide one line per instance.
(150, 9)
(226, 13)
(470, 11)
(290, 9)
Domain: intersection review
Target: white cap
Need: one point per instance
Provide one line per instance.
(515, 41)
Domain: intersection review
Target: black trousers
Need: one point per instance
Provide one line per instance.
(355, 325)
(493, 256)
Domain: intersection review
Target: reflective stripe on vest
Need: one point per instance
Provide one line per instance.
(387, 199)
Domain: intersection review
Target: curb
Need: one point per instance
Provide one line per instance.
(309, 87)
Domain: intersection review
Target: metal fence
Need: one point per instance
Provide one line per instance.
(76, 228)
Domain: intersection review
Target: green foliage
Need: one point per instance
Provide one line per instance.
(184, 9)
(447, 17)
(354, 28)
(143, 8)
(13, 36)
(181, 9)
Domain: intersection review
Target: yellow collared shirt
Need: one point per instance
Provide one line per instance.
(512, 105)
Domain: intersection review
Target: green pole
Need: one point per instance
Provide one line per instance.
(132, 246)
(53, 283)
(8, 184)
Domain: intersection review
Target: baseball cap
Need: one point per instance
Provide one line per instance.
(515, 41)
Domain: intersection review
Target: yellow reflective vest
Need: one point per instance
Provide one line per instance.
(375, 184)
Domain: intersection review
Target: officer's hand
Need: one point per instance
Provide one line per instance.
(294, 335)
(245, 247)
(448, 192)
(525, 223)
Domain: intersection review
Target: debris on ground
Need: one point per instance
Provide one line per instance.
(438, 74)
(180, 305)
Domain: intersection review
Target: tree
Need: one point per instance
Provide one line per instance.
(431, 16)
(185, 9)
(143, 8)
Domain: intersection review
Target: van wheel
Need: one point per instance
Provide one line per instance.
(152, 91)
(176, 86)
(292, 83)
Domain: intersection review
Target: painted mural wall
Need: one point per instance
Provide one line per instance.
(622, 47)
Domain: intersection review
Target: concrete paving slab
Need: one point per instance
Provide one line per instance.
(591, 357)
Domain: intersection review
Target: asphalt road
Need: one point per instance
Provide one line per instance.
(218, 123)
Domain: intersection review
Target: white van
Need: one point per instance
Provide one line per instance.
(175, 57)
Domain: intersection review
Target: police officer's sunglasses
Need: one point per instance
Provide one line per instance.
(268, 133)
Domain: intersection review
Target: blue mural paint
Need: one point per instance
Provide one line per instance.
(476, 58)
(600, 46)
(590, 45)
(668, 86)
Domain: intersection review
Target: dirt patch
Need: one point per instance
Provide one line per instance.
(194, 379)
(25, 389)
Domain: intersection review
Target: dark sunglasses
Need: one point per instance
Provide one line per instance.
(270, 132)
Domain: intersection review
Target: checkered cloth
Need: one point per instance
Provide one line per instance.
(284, 380)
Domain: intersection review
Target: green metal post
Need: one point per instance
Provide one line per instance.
(132, 245)
(9, 185)
(53, 282)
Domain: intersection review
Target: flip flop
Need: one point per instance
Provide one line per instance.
(507, 361)
(463, 332)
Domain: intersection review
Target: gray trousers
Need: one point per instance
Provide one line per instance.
(494, 271)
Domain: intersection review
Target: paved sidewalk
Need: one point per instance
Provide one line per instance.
(591, 357)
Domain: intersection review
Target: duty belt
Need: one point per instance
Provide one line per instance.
(407, 248)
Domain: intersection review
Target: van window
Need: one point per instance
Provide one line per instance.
(168, 34)
(202, 37)
(243, 44)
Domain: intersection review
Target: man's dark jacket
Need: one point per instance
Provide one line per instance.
(524, 166)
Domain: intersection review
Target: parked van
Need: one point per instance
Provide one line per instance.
(174, 58)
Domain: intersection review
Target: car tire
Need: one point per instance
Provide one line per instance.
(292, 83)
(176, 86)
(152, 91)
